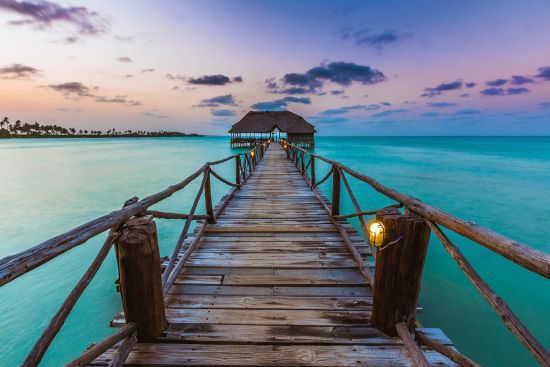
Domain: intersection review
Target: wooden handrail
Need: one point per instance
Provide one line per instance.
(366, 212)
(508, 317)
(416, 354)
(447, 351)
(220, 178)
(167, 215)
(329, 173)
(98, 349)
(517, 252)
(183, 234)
(47, 336)
(362, 223)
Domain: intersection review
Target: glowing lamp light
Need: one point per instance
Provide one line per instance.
(376, 234)
(252, 154)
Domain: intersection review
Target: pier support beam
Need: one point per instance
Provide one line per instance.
(399, 269)
(140, 277)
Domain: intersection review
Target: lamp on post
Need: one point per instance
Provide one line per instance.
(377, 234)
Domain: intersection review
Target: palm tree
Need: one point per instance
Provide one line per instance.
(5, 121)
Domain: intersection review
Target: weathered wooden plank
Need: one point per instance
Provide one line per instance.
(273, 334)
(199, 279)
(324, 291)
(267, 317)
(269, 302)
(165, 354)
(269, 229)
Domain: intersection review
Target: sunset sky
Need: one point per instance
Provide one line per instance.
(349, 67)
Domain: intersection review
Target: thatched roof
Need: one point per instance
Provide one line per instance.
(266, 121)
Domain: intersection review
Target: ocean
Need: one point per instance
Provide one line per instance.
(48, 186)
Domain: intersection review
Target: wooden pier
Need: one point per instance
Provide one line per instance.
(272, 283)
(274, 275)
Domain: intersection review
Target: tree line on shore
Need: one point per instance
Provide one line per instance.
(19, 129)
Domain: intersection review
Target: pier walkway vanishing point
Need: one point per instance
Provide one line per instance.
(275, 275)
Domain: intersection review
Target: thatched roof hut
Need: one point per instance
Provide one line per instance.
(266, 123)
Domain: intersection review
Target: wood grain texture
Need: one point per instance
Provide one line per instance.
(140, 278)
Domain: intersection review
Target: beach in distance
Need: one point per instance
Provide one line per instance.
(49, 186)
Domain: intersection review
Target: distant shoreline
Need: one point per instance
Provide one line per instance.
(100, 136)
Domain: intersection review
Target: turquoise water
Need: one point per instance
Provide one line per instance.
(49, 186)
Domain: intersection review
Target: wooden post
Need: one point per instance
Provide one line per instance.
(140, 277)
(335, 192)
(208, 198)
(303, 165)
(238, 170)
(398, 269)
(312, 165)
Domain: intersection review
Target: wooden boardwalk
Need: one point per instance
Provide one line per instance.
(273, 284)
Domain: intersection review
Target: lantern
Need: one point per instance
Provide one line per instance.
(376, 234)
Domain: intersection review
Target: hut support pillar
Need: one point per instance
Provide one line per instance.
(140, 277)
(399, 264)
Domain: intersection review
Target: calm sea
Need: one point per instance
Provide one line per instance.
(50, 186)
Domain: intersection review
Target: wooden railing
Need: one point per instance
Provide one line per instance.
(399, 266)
(14, 266)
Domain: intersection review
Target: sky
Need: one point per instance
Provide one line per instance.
(349, 67)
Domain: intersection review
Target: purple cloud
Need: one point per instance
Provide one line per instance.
(344, 110)
(519, 90)
(443, 87)
(279, 103)
(73, 89)
(493, 92)
(496, 82)
(503, 92)
(520, 80)
(544, 73)
(123, 59)
(341, 73)
(18, 71)
(118, 99)
(77, 89)
(366, 37)
(227, 100)
(441, 104)
(468, 111)
(271, 83)
(45, 13)
(217, 79)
